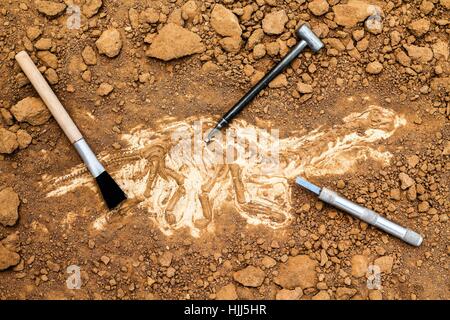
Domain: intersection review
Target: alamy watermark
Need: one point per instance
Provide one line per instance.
(74, 19)
(374, 277)
(232, 146)
(73, 282)
(375, 20)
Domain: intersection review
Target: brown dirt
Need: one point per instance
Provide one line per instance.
(131, 258)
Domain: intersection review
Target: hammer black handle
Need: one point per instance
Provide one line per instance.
(263, 83)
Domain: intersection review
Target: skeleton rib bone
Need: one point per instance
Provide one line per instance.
(181, 190)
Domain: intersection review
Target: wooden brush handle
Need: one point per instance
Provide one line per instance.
(48, 96)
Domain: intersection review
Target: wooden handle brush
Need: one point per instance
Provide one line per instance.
(111, 192)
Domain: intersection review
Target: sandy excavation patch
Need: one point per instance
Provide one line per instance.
(170, 174)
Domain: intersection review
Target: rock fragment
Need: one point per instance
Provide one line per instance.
(133, 15)
(385, 264)
(426, 6)
(109, 43)
(406, 181)
(344, 293)
(285, 294)
(89, 56)
(298, 271)
(440, 50)
(395, 194)
(48, 59)
(31, 110)
(91, 7)
(318, 7)
(105, 89)
(268, 262)
(10, 202)
(358, 34)
(419, 27)
(149, 15)
(189, 10)
(247, 12)
(438, 84)
(51, 76)
(8, 258)
(359, 265)
(423, 206)
(322, 295)
(43, 44)
(412, 160)
(335, 43)
(173, 42)
(348, 15)
(279, 82)
(225, 22)
(23, 138)
(231, 44)
(274, 22)
(250, 276)
(12, 242)
(255, 38)
(105, 259)
(259, 51)
(446, 151)
(53, 266)
(395, 37)
(166, 259)
(374, 67)
(445, 3)
(304, 88)
(403, 58)
(176, 17)
(50, 8)
(421, 54)
(273, 48)
(33, 33)
(8, 141)
(227, 292)
(7, 116)
(375, 295)
(76, 65)
(210, 66)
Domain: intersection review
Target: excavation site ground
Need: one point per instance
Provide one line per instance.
(367, 116)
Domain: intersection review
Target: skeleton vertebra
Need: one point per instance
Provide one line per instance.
(186, 190)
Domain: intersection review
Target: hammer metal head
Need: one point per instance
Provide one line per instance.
(306, 34)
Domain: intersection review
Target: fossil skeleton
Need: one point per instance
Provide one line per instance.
(187, 189)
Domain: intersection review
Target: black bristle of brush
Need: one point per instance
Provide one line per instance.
(111, 191)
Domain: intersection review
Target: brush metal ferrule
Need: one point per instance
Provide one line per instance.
(89, 158)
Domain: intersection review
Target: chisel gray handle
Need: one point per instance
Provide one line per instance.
(370, 217)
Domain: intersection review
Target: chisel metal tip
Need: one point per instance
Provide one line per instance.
(308, 185)
(211, 135)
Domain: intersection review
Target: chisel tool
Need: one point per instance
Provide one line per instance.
(308, 39)
(111, 192)
(362, 213)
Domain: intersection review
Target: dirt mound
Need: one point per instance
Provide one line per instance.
(368, 115)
